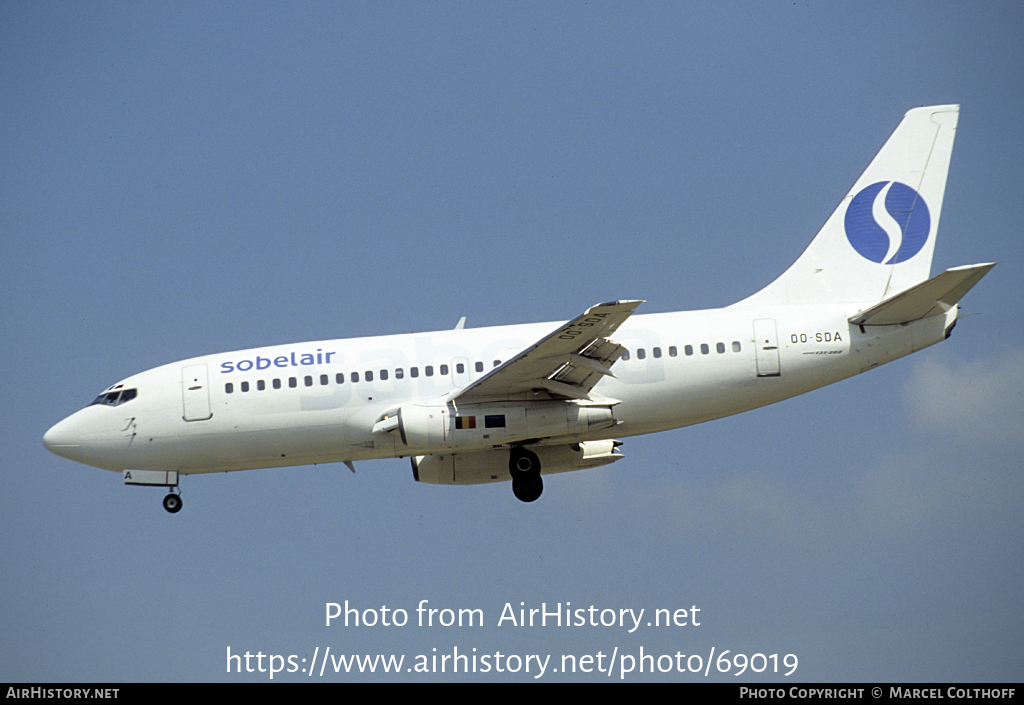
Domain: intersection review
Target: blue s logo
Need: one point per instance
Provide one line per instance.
(909, 221)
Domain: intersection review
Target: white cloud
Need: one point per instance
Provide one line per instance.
(980, 401)
(924, 489)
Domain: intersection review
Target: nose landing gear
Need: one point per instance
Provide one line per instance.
(159, 478)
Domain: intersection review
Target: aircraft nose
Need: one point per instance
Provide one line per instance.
(63, 439)
(90, 436)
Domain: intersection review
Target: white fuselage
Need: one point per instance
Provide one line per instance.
(318, 402)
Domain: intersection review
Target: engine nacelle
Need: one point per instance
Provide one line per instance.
(437, 427)
(482, 466)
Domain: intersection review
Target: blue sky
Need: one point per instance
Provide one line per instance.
(188, 178)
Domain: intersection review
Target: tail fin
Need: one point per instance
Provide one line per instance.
(879, 241)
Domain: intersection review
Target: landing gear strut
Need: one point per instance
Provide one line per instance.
(524, 467)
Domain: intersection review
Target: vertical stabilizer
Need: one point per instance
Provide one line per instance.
(880, 239)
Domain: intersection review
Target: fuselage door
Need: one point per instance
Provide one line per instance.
(766, 342)
(195, 393)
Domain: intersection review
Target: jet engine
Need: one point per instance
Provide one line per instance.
(477, 467)
(477, 427)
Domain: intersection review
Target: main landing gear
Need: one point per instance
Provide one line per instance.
(524, 467)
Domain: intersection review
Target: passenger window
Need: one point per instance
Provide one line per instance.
(383, 374)
(324, 380)
(688, 350)
(429, 370)
(368, 376)
(229, 388)
(414, 371)
(735, 346)
(355, 376)
(497, 362)
(245, 386)
(720, 347)
(479, 367)
(399, 373)
(292, 382)
(657, 352)
(641, 354)
(339, 378)
(277, 384)
(704, 349)
(444, 369)
(460, 368)
(672, 351)
(261, 385)
(625, 355)
(309, 380)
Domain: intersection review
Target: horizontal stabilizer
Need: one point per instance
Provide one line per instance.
(930, 298)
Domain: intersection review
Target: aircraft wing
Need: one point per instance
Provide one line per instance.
(565, 364)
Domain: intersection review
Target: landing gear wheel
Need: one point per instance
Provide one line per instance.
(524, 467)
(172, 503)
(526, 489)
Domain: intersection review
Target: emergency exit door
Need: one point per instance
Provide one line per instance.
(766, 342)
(195, 393)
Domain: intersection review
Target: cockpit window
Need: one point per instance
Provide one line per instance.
(115, 398)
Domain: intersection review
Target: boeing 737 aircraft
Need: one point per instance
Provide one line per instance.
(519, 402)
